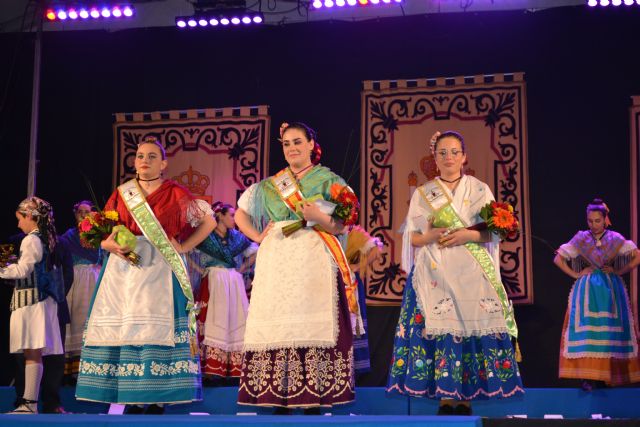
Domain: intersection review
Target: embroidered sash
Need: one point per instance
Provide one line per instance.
(290, 193)
(445, 215)
(152, 229)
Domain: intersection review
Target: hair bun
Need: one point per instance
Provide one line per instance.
(597, 202)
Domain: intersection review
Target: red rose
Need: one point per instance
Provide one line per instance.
(482, 374)
(442, 363)
(419, 318)
(497, 364)
(506, 364)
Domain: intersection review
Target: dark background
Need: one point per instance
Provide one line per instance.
(581, 66)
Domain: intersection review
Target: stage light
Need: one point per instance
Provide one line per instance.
(628, 2)
(215, 18)
(616, 2)
(74, 12)
(327, 4)
(604, 3)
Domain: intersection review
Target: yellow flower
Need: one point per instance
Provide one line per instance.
(400, 363)
(111, 215)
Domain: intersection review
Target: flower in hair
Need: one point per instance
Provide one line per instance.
(283, 127)
(433, 140)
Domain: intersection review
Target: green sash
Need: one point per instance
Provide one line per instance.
(445, 215)
(152, 229)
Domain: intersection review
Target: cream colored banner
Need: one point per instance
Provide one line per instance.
(216, 153)
(398, 119)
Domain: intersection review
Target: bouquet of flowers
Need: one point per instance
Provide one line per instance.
(97, 226)
(7, 255)
(500, 219)
(342, 205)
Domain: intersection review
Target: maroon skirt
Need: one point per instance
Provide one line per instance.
(302, 377)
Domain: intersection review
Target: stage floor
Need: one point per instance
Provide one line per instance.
(221, 401)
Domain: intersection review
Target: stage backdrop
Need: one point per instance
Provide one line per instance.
(635, 193)
(398, 119)
(216, 153)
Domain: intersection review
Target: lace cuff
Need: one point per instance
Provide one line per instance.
(246, 199)
(196, 211)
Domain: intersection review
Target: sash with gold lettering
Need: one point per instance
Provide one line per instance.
(446, 215)
(290, 193)
(152, 229)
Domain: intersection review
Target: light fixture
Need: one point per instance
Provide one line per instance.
(85, 11)
(215, 18)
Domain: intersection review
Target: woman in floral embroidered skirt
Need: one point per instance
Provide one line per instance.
(298, 338)
(453, 337)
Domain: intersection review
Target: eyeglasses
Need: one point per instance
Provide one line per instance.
(454, 153)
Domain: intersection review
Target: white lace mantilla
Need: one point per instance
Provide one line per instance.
(294, 301)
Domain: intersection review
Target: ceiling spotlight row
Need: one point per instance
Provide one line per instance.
(86, 13)
(594, 3)
(319, 4)
(241, 18)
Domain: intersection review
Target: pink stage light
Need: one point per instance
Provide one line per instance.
(73, 14)
(340, 3)
(616, 2)
(128, 12)
(628, 2)
(84, 14)
(224, 21)
(192, 23)
(235, 20)
(62, 15)
(328, 3)
(213, 22)
(246, 20)
(604, 2)
(375, 1)
(106, 13)
(203, 22)
(317, 4)
(257, 19)
(94, 13)
(352, 2)
(180, 23)
(116, 12)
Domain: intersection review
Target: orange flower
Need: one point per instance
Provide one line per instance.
(502, 218)
(335, 190)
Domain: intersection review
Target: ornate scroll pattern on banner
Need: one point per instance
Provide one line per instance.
(635, 193)
(398, 120)
(216, 153)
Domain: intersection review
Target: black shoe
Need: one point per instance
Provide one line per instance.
(445, 409)
(312, 411)
(462, 410)
(133, 410)
(282, 410)
(154, 410)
